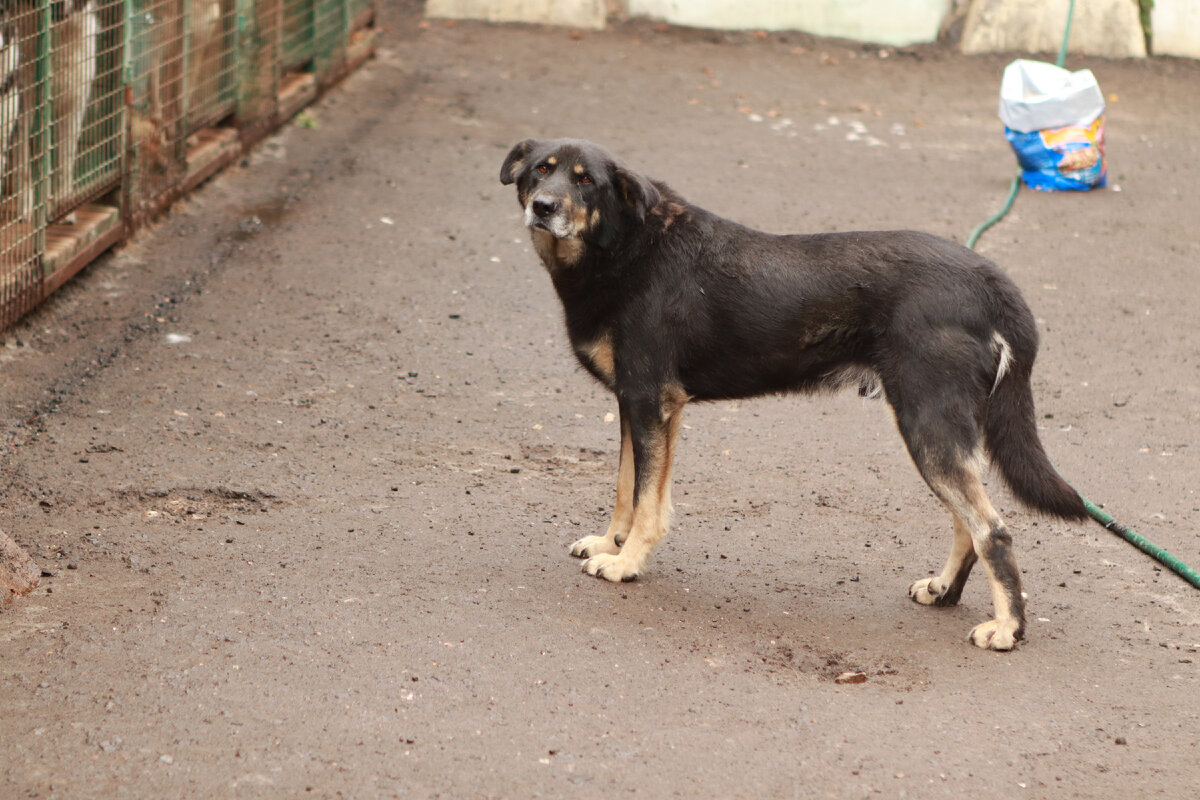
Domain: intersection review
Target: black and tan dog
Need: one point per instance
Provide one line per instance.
(667, 303)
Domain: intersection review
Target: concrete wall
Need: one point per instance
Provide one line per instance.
(571, 13)
(1099, 27)
(1176, 26)
(894, 22)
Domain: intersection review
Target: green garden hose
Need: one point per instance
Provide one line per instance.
(1104, 518)
(1149, 548)
(999, 215)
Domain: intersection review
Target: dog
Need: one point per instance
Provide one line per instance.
(666, 303)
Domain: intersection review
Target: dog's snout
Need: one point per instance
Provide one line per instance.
(545, 206)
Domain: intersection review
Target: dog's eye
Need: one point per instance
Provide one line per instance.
(585, 178)
(543, 168)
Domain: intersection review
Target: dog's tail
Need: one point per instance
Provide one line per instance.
(1011, 430)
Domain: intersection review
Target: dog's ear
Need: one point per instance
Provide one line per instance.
(636, 190)
(626, 206)
(515, 162)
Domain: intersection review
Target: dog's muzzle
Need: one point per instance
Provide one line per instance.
(549, 214)
(545, 207)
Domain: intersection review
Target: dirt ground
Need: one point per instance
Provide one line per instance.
(301, 464)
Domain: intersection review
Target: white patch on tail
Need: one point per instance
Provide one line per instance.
(1004, 352)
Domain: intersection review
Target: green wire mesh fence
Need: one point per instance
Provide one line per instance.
(112, 109)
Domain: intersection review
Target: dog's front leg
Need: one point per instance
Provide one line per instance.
(653, 428)
(622, 520)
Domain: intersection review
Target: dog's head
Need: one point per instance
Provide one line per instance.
(575, 196)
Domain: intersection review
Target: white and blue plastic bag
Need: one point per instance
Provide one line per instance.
(1054, 120)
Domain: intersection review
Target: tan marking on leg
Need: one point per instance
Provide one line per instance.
(969, 502)
(651, 514)
(622, 520)
(665, 508)
(674, 398)
(623, 513)
(1003, 632)
(946, 588)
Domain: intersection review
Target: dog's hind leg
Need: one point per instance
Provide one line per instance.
(939, 398)
(622, 519)
(653, 429)
(946, 588)
(978, 532)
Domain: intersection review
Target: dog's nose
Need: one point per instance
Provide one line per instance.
(544, 206)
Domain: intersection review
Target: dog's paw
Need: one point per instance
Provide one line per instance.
(611, 567)
(928, 592)
(590, 546)
(996, 635)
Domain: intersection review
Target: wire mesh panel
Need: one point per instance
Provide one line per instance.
(155, 74)
(329, 35)
(360, 33)
(357, 9)
(211, 60)
(296, 45)
(21, 223)
(314, 32)
(85, 115)
(129, 99)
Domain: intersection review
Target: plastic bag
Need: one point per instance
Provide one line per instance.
(1054, 120)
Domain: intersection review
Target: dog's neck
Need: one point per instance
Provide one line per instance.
(557, 255)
